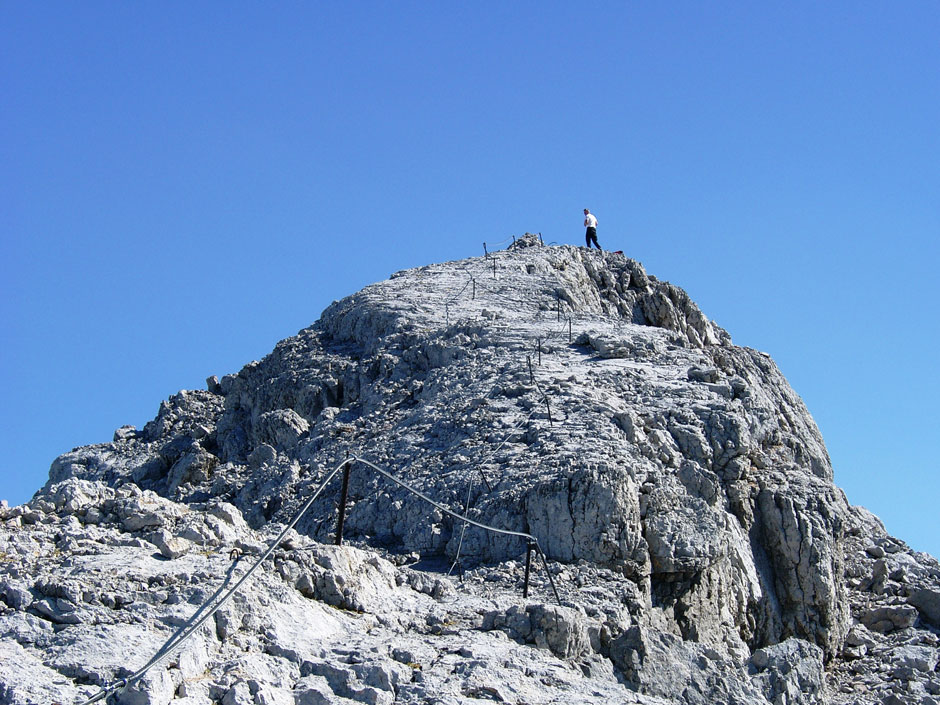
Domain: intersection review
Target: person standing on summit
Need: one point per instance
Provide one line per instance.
(590, 234)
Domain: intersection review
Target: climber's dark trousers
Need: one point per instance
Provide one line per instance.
(591, 236)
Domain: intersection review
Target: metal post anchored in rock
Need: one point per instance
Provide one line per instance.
(531, 373)
(486, 255)
(341, 517)
(528, 569)
(569, 329)
(548, 573)
(494, 268)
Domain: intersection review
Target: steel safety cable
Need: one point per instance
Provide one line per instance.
(509, 435)
(488, 454)
(192, 626)
(492, 292)
(446, 510)
(456, 296)
(551, 580)
(542, 395)
(560, 332)
(532, 540)
(463, 529)
(427, 453)
(181, 633)
(501, 242)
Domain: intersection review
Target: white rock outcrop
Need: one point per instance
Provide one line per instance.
(677, 486)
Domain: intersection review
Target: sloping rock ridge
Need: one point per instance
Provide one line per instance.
(677, 487)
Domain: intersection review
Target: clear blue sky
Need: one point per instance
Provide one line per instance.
(184, 184)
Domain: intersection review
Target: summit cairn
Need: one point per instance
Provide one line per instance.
(547, 421)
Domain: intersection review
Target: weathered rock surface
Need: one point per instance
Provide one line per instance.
(678, 487)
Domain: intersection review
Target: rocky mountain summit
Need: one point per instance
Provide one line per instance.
(695, 547)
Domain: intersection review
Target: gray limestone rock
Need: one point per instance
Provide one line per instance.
(15, 594)
(791, 671)
(678, 487)
(888, 619)
(927, 602)
(170, 546)
(665, 666)
(562, 630)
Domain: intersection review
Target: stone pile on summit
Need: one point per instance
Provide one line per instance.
(677, 486)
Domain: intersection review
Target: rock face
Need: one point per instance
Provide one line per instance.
(677, 487)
